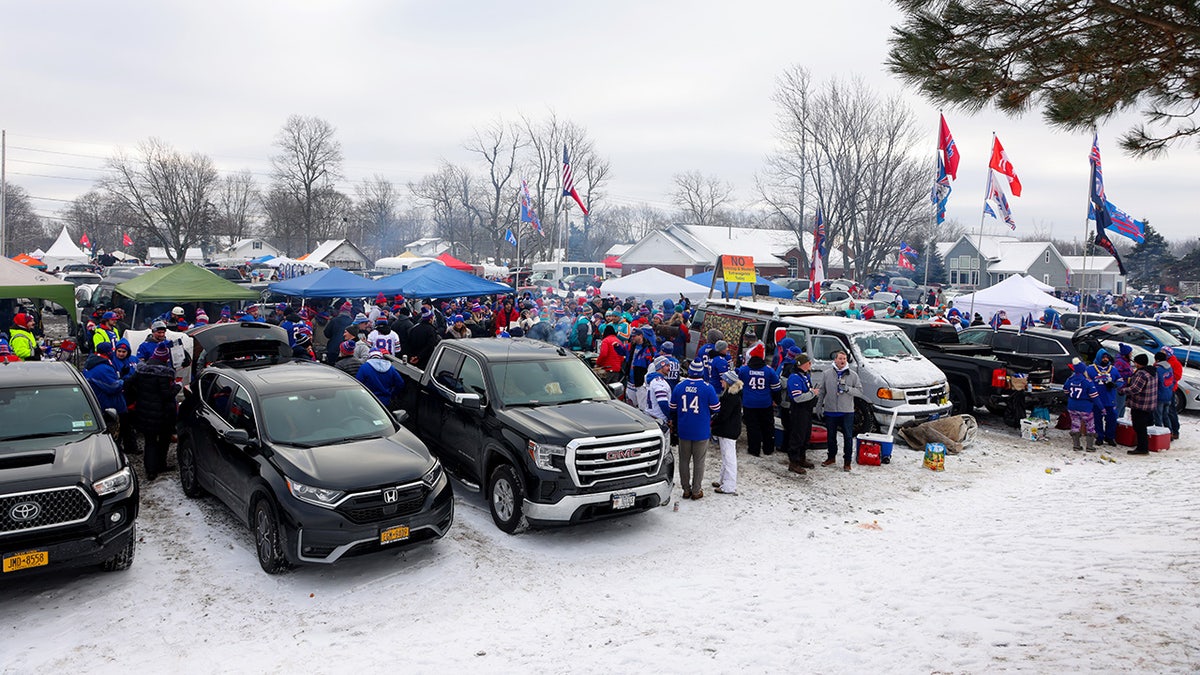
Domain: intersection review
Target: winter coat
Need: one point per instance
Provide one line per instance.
(727, 423)
(1081, 393)
(1166, 381)
(761, 384)
(333, 332)
(831, 400)
(126, 365)
(106, 383)
(349, 364)
(422, 338)
(382, 378)
(611, 354)
(151, 391)
(1107, 381)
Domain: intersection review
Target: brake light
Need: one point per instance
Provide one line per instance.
(1000, 378)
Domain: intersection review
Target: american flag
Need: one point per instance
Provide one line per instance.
(816, 273)
(568, 181)
(1094, 158)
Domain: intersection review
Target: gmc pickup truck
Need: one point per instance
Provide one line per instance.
(530, 425)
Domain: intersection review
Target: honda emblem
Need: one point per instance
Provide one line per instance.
(391, 496)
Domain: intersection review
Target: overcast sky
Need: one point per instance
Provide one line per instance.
(661, 87)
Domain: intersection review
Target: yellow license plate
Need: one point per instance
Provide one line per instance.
(398, 533)
(24, 561)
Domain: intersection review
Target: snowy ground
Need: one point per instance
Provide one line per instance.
(992, 565)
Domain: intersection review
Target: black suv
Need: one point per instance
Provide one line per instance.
(303, 453)
(68, 496)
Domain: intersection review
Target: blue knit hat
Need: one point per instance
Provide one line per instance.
(696, 369)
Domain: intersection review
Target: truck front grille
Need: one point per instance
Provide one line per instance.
(925, 395)
(41, 509)
(616, 457)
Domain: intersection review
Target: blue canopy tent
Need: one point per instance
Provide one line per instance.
(739, 291)
(331, 283)
(261, 259)
(438, 281)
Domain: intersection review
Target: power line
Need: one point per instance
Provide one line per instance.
(61, 166)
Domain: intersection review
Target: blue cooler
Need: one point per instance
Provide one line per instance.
(874, 449)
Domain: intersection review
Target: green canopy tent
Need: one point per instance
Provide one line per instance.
(21, 281)
(181, 283)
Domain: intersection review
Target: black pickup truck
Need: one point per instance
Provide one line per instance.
(980, 377)
(532, 426)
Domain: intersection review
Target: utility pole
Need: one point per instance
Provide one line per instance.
(3, 190)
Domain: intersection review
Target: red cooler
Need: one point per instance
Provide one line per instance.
(1125, 434)
(1160, 438)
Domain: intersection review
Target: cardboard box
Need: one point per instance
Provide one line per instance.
(1034, 429)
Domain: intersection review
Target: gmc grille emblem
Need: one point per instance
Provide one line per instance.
(391, 495)
(25, 511)
(620, 454)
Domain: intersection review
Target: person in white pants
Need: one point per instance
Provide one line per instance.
(726, 427)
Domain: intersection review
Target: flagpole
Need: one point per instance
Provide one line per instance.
(1086, 248)
(979, 238)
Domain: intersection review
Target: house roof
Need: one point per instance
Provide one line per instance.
(1018, 256)
(423, 241)
(702, 244)
(327, 247)
(1092, 263)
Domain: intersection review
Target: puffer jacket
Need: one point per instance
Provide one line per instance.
(151, 390)
(106, 382)
(727, 423)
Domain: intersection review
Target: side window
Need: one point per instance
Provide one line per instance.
(1039, 345)
(470, 377)
(219, 397)
(976, 337)
(1004, 342)
(825, 346)
(446, 370)
(241, 412)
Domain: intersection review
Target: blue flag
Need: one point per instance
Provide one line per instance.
(510, 237)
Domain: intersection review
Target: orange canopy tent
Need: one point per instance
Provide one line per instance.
(454, 263)
(26, 259)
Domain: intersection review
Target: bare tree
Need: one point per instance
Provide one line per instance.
(23, 229)
(376, 220)
(543, 169)
(103, 218)
(497, 146)
(449, 195)
(169, 192)
(309, 160)
(700, 196)
(284, 220)
(236, 205)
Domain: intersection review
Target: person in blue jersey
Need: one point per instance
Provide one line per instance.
(718, 363)
(667, 350)
(839, 388)
(1108, 380)
(693, 403)
(802, 396)
(1081, 402)
(705, 353)
(760, 388)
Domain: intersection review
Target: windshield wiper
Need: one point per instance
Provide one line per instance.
(43, 434)
(525, 404)
(343, 439)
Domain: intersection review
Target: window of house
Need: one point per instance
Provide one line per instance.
(954, 263)
(256, 245)
(1046, 277)
(975, 278)
(1047, 256)
(964, 262)
(793, 267)
(953, 277)
(974, 263)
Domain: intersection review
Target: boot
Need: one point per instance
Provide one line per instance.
(1088, 444)
(846, 466)
(795, 467)
(1075, 441)
(804, 463)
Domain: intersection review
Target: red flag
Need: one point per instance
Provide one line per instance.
(905, 264)
(125, 240)
(569, 182)
(1000, 163)
(84, 241)
(948, 148)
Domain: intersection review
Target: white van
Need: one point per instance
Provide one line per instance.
(553, 272)
(895, 377)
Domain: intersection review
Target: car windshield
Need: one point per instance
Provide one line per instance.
(324, 416)
(1162, 336)
(42, 412)
(1185, 333)
(886, 345)
(547, 382)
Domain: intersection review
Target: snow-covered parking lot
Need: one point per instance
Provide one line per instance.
(994, 564)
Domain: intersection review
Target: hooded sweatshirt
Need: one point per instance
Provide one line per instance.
(381, 378)
(106, 382)
(126, 365)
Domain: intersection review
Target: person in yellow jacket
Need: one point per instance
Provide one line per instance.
(107, 330)
(21, 339)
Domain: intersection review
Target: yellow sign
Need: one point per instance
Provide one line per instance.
(738, 269)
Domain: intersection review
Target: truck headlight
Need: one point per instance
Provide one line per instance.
(117, 482)
(432, 475)
(314, 495)
(543, 455)
(890, 394)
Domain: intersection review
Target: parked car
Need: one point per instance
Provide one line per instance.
(302, 453)
(68, 496)
(907, 288)
(836, 300)
(1058, 346)
(798, 287)
(1152, 338)
(531, 425)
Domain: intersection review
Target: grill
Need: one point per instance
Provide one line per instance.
(41, 509)
(925, 395)
(369, 507)
(616, 457)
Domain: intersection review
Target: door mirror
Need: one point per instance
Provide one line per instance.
(469, 401)
(235, 436)
(400, 416)
(617, 388)
(110, 416)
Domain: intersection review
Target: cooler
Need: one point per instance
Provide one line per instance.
(1160, 438)
(873, 448)
(1126, 436)
(1034, 429)
(819, 438)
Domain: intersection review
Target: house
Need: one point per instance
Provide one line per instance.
(982, 261)
(685, 250)
(247, 249)
(157, 255)
(339, 253)
(1095, 273)
(427, 247)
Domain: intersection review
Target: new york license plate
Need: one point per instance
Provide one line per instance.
(623, 500)
(23, 561)
(398, 533)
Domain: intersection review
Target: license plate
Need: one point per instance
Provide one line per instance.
(24, 561)
(623, 500)
(934, 416)
(398, 533)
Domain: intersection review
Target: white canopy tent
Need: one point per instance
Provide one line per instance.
(654, 284)
(1016, 296)
(63, 252)
(1047, 288)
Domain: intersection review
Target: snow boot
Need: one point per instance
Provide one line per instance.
(1075, 441)
(795, 467)
(1088, 444)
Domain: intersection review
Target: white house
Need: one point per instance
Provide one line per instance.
(339, 253)
(685, 250)
(1095, 273)
(157, 254)
(247, 249)
(427, 247)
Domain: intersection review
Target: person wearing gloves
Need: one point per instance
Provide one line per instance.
(1124, 366)
(835, 397)
(105, 379)
(658, 392)
(1142, 396)
(1107, 380)
(726, 427)
(760, 388)
(693, 403)
(381, 377)
(803, 398)
(1082, 397)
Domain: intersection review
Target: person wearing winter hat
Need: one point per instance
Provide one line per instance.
(201, 317)
(1172, 409)
(611, 356)
(1124, 365)
(1141, 393)
(106, 330)
(667, 350)
(6, 353)
(157, 336)
(726, 427)
(838, 390)
(105, 379)
(637, 363)
(458, 328)
(693, 403)
(381, 377)
(760, 389)
(718, 363)
(303, 347)
(421, 339)
(1107, 380)
(151, 390)
(21, 339)
(1082, 396)
(658, 392)
(802, 396)
(347, 360)
(1165, 377)
(226, 315)
(383, 337)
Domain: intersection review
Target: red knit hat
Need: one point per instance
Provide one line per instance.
(758, 350)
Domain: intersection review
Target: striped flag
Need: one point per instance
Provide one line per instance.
(816, 273)
(527, 214)
(568, 181)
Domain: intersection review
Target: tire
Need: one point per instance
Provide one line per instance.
(268, 542)
(864, 417)
(124, 558)
(185, 457)
(960, 405)
(505, 497)
(1180, 401)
